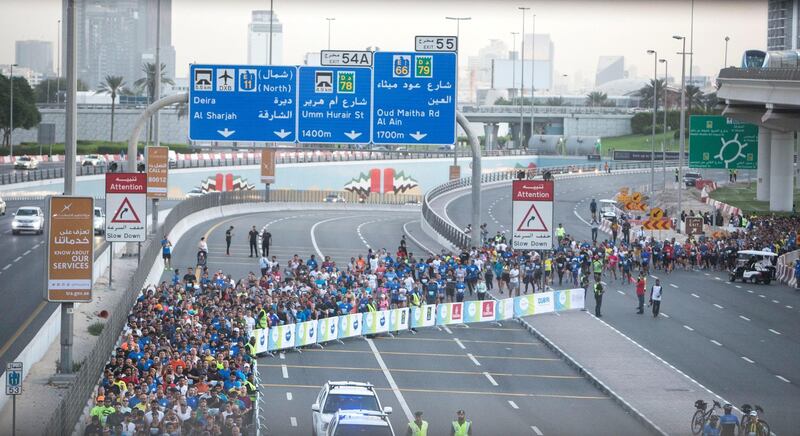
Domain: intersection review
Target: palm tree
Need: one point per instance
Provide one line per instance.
(596, 98)
(148, 84)
(694, 97)
(112, 85)
(554, 101)
(645, 94)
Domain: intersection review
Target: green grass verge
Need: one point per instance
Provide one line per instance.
(743, 196)
(639, 143)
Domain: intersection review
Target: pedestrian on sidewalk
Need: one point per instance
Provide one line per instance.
(598, 299)
(641, 285)
(253, 234)
(655, 297)
(228, 239)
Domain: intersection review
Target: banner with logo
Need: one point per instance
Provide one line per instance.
(349, 325)
(281, 337)
(261, 340)
(479, 311)
(524, 305)
(424, 316)
(375, 322)
(505, 309)
(306, 333)
(577, 298)
(398, 319)
(328, 329)
(450, 313)
(561, 300)
(544, 302)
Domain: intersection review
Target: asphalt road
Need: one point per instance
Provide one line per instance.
(738, 340)
(511, 385)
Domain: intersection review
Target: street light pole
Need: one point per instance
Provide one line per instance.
(683, 124)
(156, 87)
(329, 30)
(533, 72)
(691, 44)
(11, 113)
(58, 74)
(513, 62)
(458, 21)
(522, 80)
(271, 19)
(664, 142)
(725, 63)
(655, 110)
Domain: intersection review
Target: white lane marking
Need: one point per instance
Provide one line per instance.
(783, 378)
(744, 317)
(314, 228)
(537, 431)
(707, 274)
(762, 296)
(688, 328)
(7, 267)
(717, 278)
(460, 344)
(673, 285)
(738, 287)
(775, 331)
(664, 315)
(473, 359)
(490, 378)
(513, 404)
(749, 291)
(653, 276)
(18, 259)
(695, 295)
(621, 292)
(449, 332)
(293, 421)
(718, 306)
(413, 239)
(789, 307)
(26, 253)
(282, 356)
(285, 371)
(390, 379)
(716, 343)
(776, 301)
(288, 396)
(747, 359)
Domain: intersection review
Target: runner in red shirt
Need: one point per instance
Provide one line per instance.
(641, 285)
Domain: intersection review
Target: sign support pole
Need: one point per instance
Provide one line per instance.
(14, 415)
(110, 262)
(155, 216)
(266, 192)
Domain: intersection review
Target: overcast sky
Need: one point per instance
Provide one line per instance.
(215, 31)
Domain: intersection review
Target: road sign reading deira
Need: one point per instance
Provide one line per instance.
(414, 98)
(532, 214)
(334, 105)
(126, 207)
(242, 103)
(720, 142)
(13, 378)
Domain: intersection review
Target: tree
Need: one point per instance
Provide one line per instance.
(596, 99)
(112, 85)
(26, 114)
(147, 83)
(645, 94)
(47, 90)
(694, 97)
(554, 101)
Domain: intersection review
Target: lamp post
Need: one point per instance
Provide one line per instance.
(683, 123)
(11, 112)
(522, 79)
(725, 64)
(513, 62)
(655, 110)
(58, 67)
(458, 21)
(533, 72)
(664, 142)
(271, 20)
(329, 30)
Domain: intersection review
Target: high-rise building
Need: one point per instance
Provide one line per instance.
(609, 68)
(258, 45)
(783, 24)
(36, 55)
(118, 37)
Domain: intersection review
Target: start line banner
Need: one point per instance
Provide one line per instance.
(387, 321)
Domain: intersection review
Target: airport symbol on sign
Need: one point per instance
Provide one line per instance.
(125, 214)
(532, 221)
(13, 378)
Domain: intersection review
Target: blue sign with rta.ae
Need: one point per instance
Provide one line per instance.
(333, 105)
(414, 98)
(242, 103)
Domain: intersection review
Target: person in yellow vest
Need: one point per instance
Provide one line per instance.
(251, 347)
(417, 427)
(461, 426)
(560, 232)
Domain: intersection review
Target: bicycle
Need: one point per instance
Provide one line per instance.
(701, 415)
(751, 423)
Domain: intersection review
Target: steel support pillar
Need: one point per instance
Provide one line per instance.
(781, 174)
(762, 173)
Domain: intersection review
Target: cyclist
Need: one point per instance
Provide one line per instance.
(729, 423)
(712, 427)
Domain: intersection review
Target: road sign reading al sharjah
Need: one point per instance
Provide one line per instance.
(721, 142)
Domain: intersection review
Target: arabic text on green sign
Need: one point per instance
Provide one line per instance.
(721, 142)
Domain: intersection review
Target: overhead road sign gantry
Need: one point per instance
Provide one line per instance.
(414, 98)
(532, 214)
(334, 105)
(242, 103)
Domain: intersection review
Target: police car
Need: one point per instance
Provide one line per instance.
(336, 396)
(360, 423)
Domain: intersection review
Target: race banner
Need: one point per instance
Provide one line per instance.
(349, 325)
(577, 298)
(544, 302)
(569, 299)
(478, 311)
(281, 337)
(261, 340)
(376, 322)
(524, 306)
(306, 333)
(449, 313)
(328, 329)
(424, 316)
(398, 319)
(505, 309)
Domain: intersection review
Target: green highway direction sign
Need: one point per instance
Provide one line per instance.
(720, 142)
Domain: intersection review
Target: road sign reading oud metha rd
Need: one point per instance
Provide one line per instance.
(126, 207)
(532, 215)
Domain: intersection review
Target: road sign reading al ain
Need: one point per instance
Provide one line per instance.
(70, 249)
(532, 214)
(126, 207)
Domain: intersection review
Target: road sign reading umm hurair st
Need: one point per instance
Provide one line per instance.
(532, 214)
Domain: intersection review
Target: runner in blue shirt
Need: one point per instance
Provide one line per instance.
(460, 288)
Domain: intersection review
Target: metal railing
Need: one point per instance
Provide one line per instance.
(780, 74)
(458, 237)
(560, 110)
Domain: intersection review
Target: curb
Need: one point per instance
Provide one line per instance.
(593, 379)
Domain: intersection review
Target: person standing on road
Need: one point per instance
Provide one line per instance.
(560, 233)
(598, 299)
(417, 427)
(593, 209)
(203, 245)
(253, 234)
(641, 285)
(166, 253)
(595, 226)
(655, 297)
(461, 426)
(728, 422)
(228, 239)
(266, 240)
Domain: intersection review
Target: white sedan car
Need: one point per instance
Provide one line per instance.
(26, 163)
(2, 207)
(93, 160)
(343, 395)
(28, 219)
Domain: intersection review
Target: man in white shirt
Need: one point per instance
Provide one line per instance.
(655, 297)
